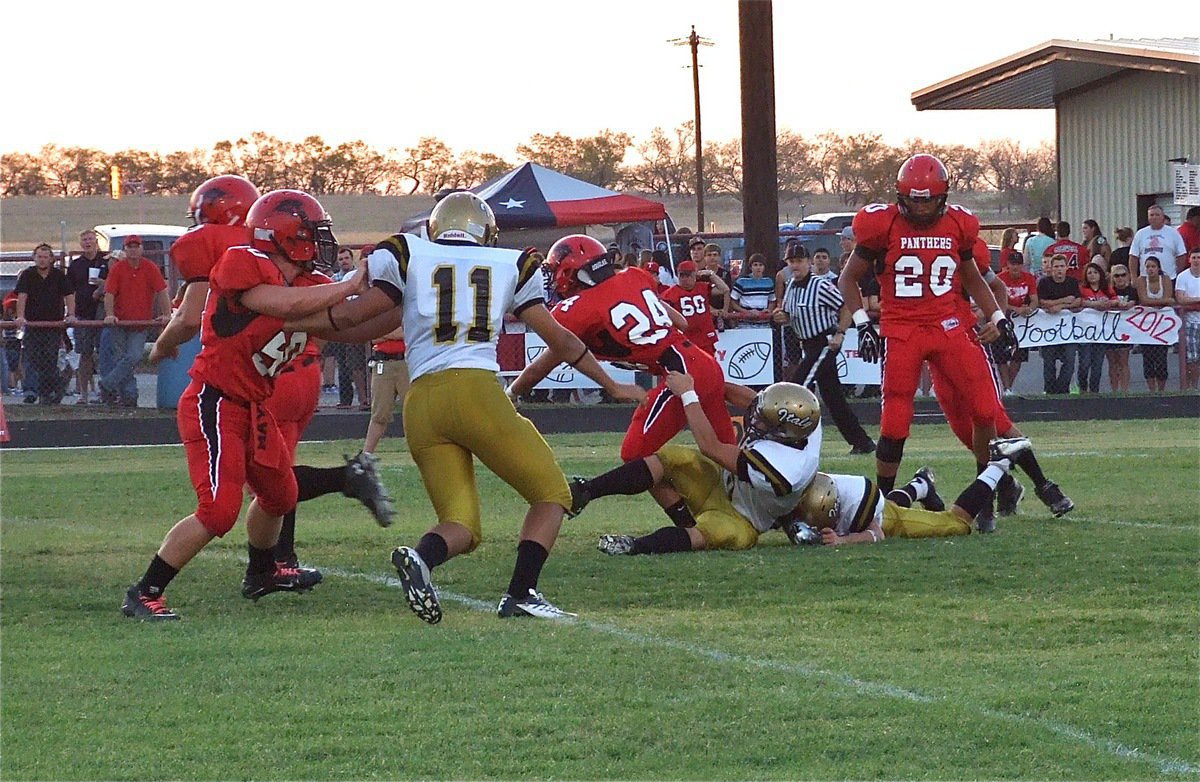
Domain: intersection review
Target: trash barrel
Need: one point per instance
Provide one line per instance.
(173, 376)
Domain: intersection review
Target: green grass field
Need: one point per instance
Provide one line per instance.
(1054, 649)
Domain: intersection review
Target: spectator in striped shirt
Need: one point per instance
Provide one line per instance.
(813, 309)
(753, 296)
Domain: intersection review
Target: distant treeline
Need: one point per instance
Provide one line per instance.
(858, 168)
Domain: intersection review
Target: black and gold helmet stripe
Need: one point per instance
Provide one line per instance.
(865, 511)
(397, 245)
(779, 483)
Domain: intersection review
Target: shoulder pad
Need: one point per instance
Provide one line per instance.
(397, 245)
(529, 263)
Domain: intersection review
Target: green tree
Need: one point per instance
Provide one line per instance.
(21, 175)
(75, 171)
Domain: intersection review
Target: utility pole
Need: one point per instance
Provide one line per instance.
(760, 180)
(695, 42)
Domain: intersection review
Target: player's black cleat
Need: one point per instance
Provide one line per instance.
(1010, 448)
(532, 604)
(1058, 503)
(363, 484)
(281, 579)
(146, 607)
(985, 521)
(615, 545)
(933, 501)
(309, 576)
(579, 496)
(418, 586)
(1008, 494)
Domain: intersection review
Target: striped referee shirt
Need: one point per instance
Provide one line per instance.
(812, 305)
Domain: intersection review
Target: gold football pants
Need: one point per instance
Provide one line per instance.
(901, 522)
(698, 479)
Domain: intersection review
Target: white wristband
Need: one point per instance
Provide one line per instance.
(997, 316)
(689, 398)
(861, 318)
(874, 537)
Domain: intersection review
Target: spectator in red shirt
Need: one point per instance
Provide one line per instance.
(1189, 232)
(134, 289)
(691, 298)
(1076, 254)
(1095, 295)
(1022, 300)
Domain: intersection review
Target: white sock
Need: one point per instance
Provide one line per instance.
(994, 472)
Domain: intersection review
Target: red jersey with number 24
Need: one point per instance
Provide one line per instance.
(918, 270)
(621, 319)
(242, 350)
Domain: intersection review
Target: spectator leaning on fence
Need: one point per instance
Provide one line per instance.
(1187, 296)
(1160, 240)
(85, 272)
(1057, 292)
(43, 295)
(753, 296)
(135, 288)
(1022, 299)
(1118, 355)
(1155, 289)
(1095, 295)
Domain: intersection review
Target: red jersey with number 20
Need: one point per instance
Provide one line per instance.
(197, 251)
(242, 350)
(918, 270)
(621, 319)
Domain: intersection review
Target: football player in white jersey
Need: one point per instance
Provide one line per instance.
(719, 496)
(451, 295)
(849, 509)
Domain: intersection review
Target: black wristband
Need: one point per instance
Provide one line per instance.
(579, 357)
(329, 314)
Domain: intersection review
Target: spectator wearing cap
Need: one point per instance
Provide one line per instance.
(753, 295)
(813, 309)
(134, 289)
(691, 296)
(846, 240)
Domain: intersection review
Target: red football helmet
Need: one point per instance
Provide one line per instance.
(224, 200)
(578, 261)
(921, 188)
(293, 224)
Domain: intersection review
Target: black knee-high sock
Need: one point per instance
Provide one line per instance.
(531, 555)
(667, 540)
(432, 549)
(630, 478)
(157, 577)
(262, 560)
(885, 482)
(286, 546)
(681, 515)
(905, 496)
(1029, 463)
(318, 481)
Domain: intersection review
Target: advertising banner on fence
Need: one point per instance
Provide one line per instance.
(747, 354)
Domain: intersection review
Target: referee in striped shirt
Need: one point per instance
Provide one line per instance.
(813, 308)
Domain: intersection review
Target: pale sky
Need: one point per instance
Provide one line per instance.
(487, 75)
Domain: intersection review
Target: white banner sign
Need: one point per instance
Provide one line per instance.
(564, 375)
(1187, 183)
(1136, 326)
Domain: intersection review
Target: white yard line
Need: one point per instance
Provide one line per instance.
(861, 686)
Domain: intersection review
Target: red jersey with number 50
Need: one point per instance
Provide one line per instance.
(621, 319)
(197, 251)
(693, 305)
(242, 350)
(917, 267)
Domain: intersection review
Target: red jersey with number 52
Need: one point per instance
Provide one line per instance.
(917, 267)
(197, 251)
(621, 319)
(242, 350)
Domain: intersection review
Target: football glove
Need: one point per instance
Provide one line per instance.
(802, 534)
(1005, 348)
(870, 347)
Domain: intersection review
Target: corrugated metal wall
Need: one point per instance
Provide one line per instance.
(1115, 141)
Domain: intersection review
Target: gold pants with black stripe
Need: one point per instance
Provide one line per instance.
(901, 522)
(698, 479)
(457, 414)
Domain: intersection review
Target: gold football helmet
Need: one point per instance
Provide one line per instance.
(785, 412)
(818, 504)
(463, 216)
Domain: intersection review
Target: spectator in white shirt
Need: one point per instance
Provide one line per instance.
(1187, 296)
(1160, 240)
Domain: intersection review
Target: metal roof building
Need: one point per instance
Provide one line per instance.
(1124, 109)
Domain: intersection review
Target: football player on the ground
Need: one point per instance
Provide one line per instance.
(451, 295)
(719, 496)
(957, 412)
(849, 509)
(922, 252)
(218, 209)
(229, 437)
(620, 317)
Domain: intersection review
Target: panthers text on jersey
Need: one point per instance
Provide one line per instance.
(693, 305)
(242, 350)
(622, 319)
(455, 296)
(771, 477)
(917, 266)
(197, 251)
